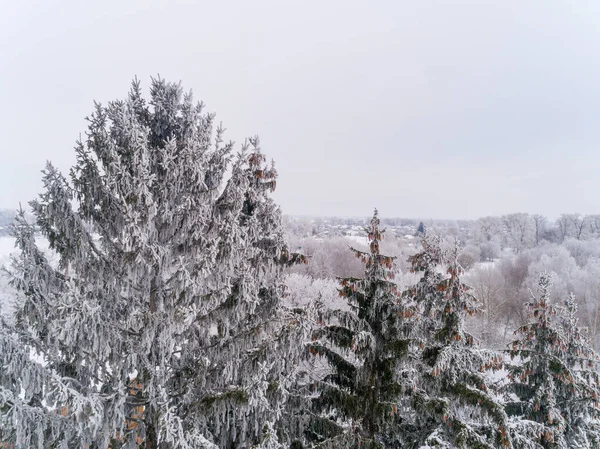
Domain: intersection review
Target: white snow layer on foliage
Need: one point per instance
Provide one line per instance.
(7, 293)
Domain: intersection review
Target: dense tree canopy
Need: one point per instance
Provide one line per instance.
(161, 324)
(359, 401)
(152, 310)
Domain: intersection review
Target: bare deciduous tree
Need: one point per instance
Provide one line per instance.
(540, 222)
(487, 228)
(578, 225)
(572, 225)
(519, 230)
(562, 226)
(489, 286)
(594, 225)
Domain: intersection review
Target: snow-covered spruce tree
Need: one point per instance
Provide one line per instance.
(25, 382)
(161, 326)
(453, 406)
(358, 403)
(532, 380)
(426, 294)
(579, 400)
(555, 383)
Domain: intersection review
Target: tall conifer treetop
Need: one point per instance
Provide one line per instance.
(453, 406)
(358, 403)
(426, 294)
(555, 379)
(161, 324)
(579, 400)
(533, 379)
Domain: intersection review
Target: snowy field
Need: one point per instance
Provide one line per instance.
(361, 239)
(7, 247)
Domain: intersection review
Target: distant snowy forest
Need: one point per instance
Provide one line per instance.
(156, 297)
(502, 258)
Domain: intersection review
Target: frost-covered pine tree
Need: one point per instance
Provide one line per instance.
(579, 400)
(358, 404)
(555, 383)
(161, 325)
(426, 294)
(26, 384)
(453, 405)
(533, 379)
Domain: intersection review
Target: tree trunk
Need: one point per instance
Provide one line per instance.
(151, 431)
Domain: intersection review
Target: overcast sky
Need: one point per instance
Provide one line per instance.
(437, 109)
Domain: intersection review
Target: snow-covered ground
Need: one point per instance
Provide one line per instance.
(7, 246)
(7, 295)
(358, 239)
